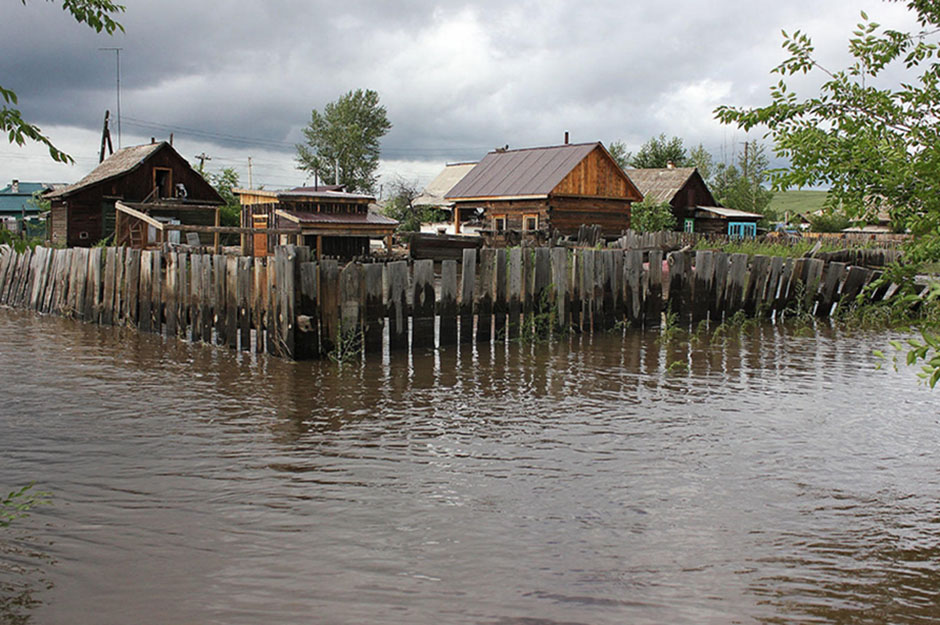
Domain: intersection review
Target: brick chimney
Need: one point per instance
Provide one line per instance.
(670, 165)
(566, 137)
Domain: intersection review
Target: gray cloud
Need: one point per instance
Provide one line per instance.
(457, 79)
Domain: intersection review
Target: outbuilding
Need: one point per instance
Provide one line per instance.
(84, 213)
(683, 188)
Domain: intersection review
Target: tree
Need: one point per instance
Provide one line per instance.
(741, 186)
(618, 150)
(401, 207)
(344, 140)
(874, 143)
(701, 159)
(658, 152)
(97, 14)
(651, 215)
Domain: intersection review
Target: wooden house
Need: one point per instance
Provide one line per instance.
(334, 223)
(683, 188)
(84, 213)
(555, 188)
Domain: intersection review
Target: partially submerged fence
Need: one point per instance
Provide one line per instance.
(290, 306)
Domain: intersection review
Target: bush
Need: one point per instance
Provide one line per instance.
(831, 222)
(652, 216)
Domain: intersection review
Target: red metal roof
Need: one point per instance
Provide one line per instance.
(359, 219)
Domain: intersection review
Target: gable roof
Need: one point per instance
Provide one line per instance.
(529, 172)
(434, 192)
(119, 163)
(661, 184)
(16, 202)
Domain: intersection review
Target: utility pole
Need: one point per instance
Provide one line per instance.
(106, 138)
(117, 53)
(250, 186)
(202, 160)
(336, 171)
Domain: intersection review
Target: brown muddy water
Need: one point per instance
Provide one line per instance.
(779, 479)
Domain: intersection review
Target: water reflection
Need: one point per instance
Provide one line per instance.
(775, 477)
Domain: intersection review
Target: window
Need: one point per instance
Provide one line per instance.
(742, 230)
(163, 181)
(499, 223)
(530, 223)
(689, 225)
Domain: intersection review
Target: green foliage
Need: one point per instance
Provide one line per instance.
(19, 244)
(346, 135)
(651, 216)
(741, 186)
(348, 348)
(765, 247)
(874, 142)
(829, 222)
(230, 213)
(400, 206)
(97, 14)
(223, 182)
(618, 150)
(659, 151)
(542, 323)
(17, 503)
(701, 159)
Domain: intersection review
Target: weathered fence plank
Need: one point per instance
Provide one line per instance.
(484, 295)
(423, 298)
(145, 319)
(374, 313)
(307, 340)
(652, 316)
(448, 303)
(398, 305)
(468, 268)
(350, 297)
(329, 302)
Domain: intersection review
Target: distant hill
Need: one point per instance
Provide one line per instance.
(797, 202)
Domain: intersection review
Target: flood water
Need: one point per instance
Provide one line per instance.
(779, 478)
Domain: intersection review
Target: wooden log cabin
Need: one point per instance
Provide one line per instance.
(692, 203)
(84, 213)
(333, 222)
(683, 188)
(550, 189)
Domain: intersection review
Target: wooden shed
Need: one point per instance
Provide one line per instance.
(720, 220)
(334, 223)
(683, 188)
(556, 188)
(83, 213)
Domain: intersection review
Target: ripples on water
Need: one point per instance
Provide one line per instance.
(780, 480)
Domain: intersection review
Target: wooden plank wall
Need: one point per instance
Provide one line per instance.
(292, 307)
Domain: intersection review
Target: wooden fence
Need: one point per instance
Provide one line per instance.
(290, 306)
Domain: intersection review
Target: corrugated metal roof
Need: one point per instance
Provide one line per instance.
(729, 212)
(370, 219)
(525, 172)
(321, 195)
(11, 202)
(661, 184)
(433, 194)
(121, 162)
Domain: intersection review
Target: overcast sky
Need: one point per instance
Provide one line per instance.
(237, 79)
